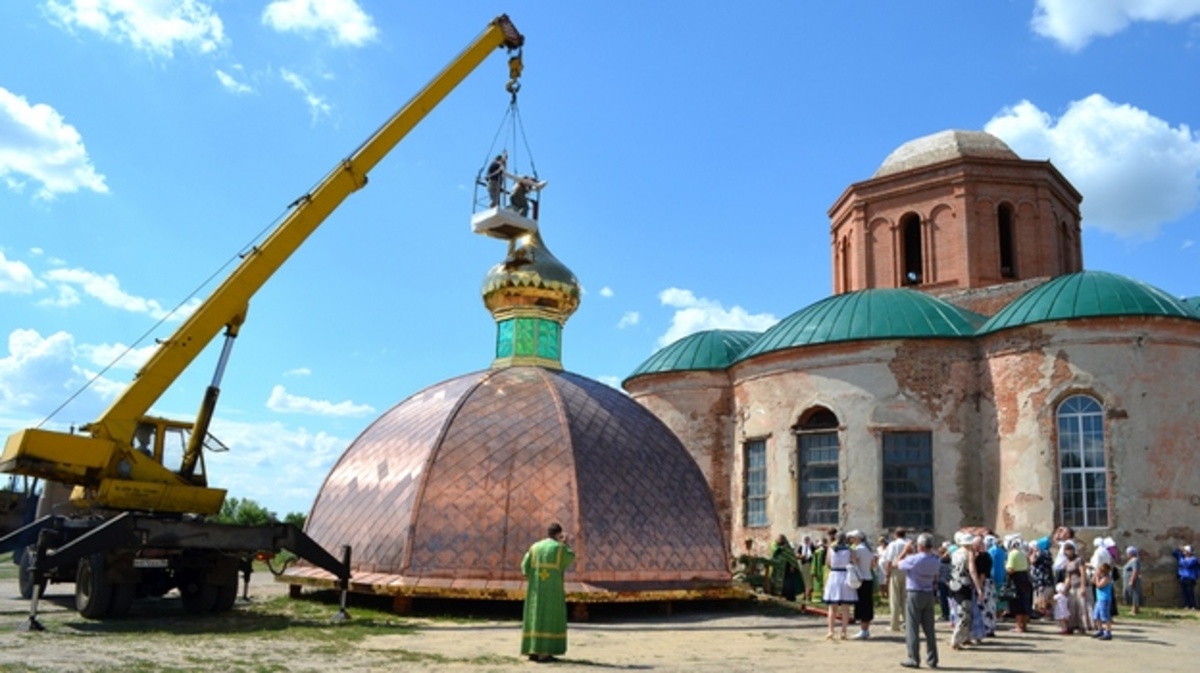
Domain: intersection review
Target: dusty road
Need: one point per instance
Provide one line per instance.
(272, 633)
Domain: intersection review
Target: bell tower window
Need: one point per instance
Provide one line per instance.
(910, 237)
(1004, 222)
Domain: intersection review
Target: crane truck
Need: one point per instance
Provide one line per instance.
(135, 523)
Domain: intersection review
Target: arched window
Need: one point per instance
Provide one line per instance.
(817, 448)
(910, 242)
(845, 264)
(1008, 258)
(1083, 467)
(1066, 260)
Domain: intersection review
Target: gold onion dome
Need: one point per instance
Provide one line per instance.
(530, 276)
(531, 295)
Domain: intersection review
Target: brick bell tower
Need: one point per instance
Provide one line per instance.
(953, 211)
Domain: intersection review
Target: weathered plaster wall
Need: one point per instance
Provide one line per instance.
(1142, 370)
(698, 408)
(872, 388)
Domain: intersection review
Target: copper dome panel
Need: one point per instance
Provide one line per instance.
(451, 486)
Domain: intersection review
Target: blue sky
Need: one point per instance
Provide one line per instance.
(692, 151)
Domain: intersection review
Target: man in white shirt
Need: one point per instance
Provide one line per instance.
(894, 578)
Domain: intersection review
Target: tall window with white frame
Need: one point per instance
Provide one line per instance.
(908, 480)
(1083, 466)
(755, 501)
(819, 488)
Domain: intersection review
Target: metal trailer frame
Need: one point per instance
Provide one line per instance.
(113, 560)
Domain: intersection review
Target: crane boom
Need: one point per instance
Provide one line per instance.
(106, 469)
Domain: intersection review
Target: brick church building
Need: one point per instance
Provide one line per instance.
(966, 371)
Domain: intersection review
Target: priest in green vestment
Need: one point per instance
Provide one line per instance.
(544, 633)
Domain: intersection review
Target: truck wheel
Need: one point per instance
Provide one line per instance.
(122, 599)
(25, 573)
(227, 590)
(197, 594)
(226, 597)
(93, 592)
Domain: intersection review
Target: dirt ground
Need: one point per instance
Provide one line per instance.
(273, 633)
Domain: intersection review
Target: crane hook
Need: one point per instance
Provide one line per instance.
(515, 66)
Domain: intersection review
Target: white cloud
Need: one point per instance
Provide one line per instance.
(38, 145)
(102, 386)
(16, 277)
(67, 296)
(278, 466)
(696, 314)
(117, 356)
(108, 290)
(317, 105)
(231, 84)
(606, 292)
(611, 382)
(298, 371)
(629, 319)
(155, 26)
(284, 402)
(343, 22)
(34, 369)
(1134, 170)
(39, 374)
(1074, 23)
(1187, 244)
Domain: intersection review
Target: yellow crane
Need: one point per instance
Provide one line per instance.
(116, 465)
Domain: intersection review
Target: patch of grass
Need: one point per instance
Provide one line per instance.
(1153, 614)
(8, 569)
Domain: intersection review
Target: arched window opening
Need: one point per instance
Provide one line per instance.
(817, 448)
(910, 234)
(1008, 259)
(845, 264)
(1083, 466)
(1065, 255)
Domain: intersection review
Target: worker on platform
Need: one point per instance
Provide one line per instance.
(544, 632)
(495, 178)
(522, 185)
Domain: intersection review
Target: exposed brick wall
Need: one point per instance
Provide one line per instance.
(697, 406)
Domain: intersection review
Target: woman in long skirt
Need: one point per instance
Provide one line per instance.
(838, 594)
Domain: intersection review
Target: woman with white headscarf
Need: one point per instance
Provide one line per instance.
(864, 560)
(964, 587)
(983, 622)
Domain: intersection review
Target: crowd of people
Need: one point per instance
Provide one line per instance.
(975, 578)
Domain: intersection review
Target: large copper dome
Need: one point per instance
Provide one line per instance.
(444, 493)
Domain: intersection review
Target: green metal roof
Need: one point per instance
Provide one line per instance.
(1087, 294)
(1193, 303)
(881, 313)
(709, 350)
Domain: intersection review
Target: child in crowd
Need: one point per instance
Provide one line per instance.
(1104, 602)
(1062, 607)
